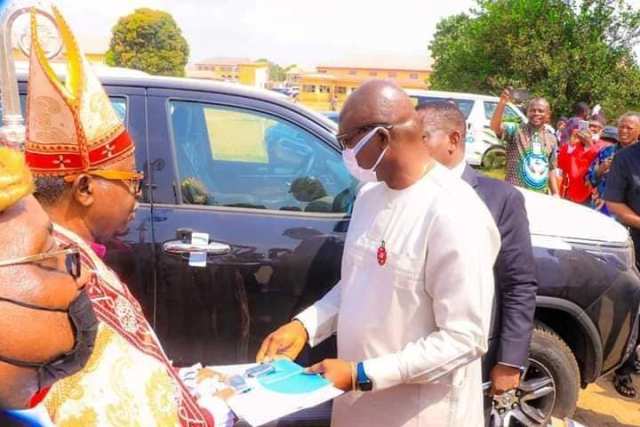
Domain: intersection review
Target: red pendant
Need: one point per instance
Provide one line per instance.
(382, 254)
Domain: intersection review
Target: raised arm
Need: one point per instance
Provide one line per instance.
(496, 120)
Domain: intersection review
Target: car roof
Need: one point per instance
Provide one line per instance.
(112, 76)
(452, 95)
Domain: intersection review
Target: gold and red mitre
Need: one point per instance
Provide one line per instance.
(72, 128)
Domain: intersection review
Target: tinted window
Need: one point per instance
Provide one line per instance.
(465, 105)
(120, 106)
(237, 158)
(509, 115)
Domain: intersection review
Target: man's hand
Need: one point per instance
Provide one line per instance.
(287, 341)
(339, 372)
(506, 96)
(504, 378)
(604, 167)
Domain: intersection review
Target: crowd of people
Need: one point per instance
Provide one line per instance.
(582, 164)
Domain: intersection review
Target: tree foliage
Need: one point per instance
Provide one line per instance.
(151, 41)
(565, 50)
(277, 73)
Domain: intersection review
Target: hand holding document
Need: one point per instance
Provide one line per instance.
(268, 391)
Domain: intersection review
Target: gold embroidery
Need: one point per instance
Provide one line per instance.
(162, 394)
(123, 414)
(70, 387)
(86, 418)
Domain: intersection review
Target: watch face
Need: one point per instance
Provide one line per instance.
(366, 386)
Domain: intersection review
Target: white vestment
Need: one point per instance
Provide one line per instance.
(420, 322)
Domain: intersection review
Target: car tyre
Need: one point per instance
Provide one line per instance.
(549, 386)
(549, 350)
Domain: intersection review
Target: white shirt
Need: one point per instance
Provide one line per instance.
(458, 169)
(420, 322)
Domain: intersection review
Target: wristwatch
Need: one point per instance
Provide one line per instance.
(363, 381)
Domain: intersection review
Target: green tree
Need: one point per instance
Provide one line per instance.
(567, 51)
(151, 41)
(277, 73)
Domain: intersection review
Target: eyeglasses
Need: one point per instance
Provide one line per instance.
(345, 139)
(71, 260)
(134, 185)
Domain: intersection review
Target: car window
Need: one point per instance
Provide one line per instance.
(120, 107)
(465, 105)
(510, 115)
(237, 158)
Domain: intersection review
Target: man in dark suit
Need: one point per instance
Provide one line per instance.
(514, 269)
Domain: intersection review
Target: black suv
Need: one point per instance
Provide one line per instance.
(265, 179)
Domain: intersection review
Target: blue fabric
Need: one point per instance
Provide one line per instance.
(600, 184)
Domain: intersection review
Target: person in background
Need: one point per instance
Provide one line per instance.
(561, 124)
(575, 158)
(581, 112)
(628, 133)
(622, 196)
(530, 148)
(514, 270)
(412, 308)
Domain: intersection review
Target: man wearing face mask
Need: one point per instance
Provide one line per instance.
(83, 160)
(47, 322)
(413, 305)
(575, 157)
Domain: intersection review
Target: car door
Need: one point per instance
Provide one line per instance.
(131, 255)
(268, 187)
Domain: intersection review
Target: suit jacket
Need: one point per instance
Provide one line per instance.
(514, 272)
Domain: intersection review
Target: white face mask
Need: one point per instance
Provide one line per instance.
(595, 137)
(351, 162)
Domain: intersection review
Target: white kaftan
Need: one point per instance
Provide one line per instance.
(419, 322)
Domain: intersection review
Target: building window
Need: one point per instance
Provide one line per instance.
(325, 89)
(373, 73)
(353, 72)
(309, 88)
(341, 90)
(392, 74)
(413, 76)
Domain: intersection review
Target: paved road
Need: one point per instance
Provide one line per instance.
(601, 406)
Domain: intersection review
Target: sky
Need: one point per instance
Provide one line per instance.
(302, 32)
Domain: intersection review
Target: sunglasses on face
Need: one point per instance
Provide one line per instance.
(346, 139)
(71, 260)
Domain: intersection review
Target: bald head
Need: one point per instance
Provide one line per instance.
(376, 101)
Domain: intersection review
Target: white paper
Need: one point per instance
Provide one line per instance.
(260, 405)
(199, 259)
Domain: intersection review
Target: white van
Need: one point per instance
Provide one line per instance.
(482, 143)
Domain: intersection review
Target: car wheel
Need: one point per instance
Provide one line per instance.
(494, 158)
(549, 386)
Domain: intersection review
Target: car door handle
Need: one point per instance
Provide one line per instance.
(178, 247)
